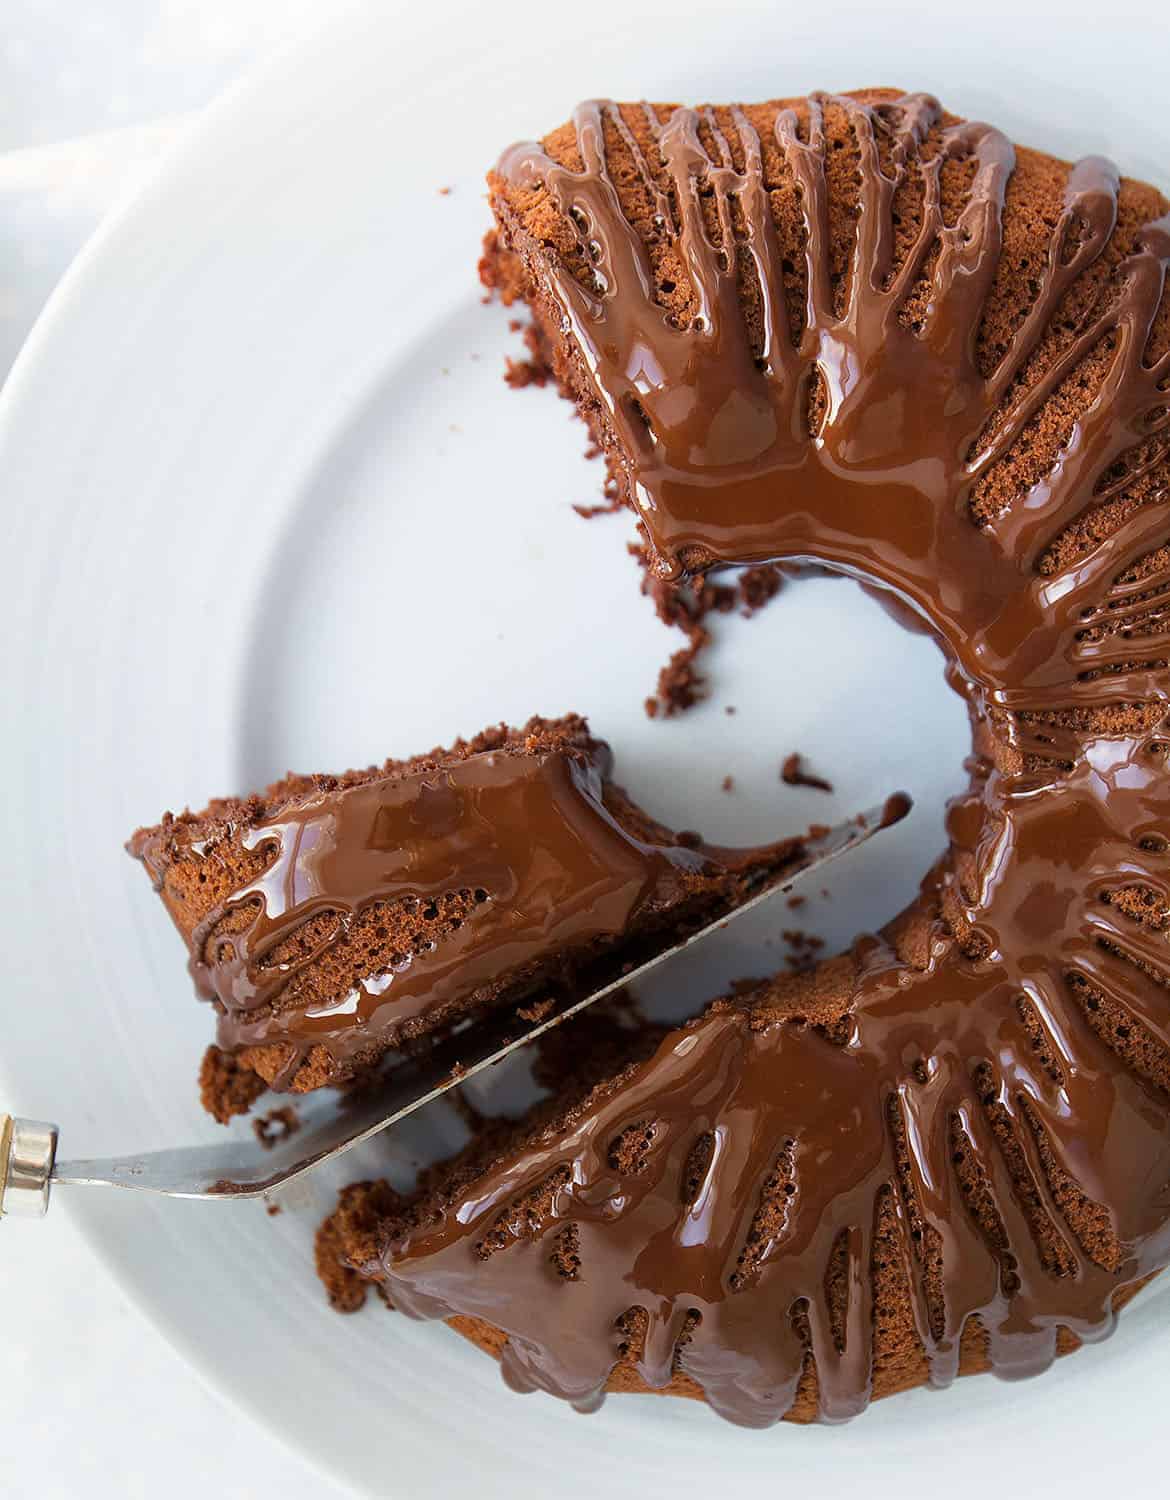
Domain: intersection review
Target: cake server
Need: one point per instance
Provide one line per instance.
(330, 1122)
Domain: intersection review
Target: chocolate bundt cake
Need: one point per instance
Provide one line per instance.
(862, 332)
(333, 920)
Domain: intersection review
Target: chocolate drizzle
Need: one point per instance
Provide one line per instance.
(720, 462)
(539, 866)
(1008, 1090)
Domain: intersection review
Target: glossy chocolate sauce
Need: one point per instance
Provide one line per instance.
(542, 868)
(1040, 1042)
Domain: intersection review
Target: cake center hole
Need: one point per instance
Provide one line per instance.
(826, 673)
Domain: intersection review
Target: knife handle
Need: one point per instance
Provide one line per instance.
(27, 1149)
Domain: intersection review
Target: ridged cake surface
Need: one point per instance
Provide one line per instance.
(863, 332)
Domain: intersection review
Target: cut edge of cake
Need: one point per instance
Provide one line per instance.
(200, 860)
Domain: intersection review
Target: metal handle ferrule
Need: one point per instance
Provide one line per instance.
(27, 1150)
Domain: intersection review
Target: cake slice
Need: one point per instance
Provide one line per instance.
(652, 1226)
(333, 920)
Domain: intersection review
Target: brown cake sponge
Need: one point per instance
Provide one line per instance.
(369, 1214)
(201, 861)
(531, 233)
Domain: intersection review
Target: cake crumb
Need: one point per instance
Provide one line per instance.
(758, 585)
(680, 684)
(795, 901)
(804, 949)
(792, 773)
(226, 1088)
(444, 192)
(273, 1209)
(536, 1011)
(730, 709)
(276, 1126)
(728, 783)
(519, 373)
(685, 606)
(604, 508)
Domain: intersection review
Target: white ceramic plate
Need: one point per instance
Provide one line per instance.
(269, 503)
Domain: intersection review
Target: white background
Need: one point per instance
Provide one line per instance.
(93, 1401)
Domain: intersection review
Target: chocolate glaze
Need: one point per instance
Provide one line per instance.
(1037, 1040)
(719, 458)
(544, 868)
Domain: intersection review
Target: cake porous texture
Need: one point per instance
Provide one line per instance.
(861, 332)
(337, 921)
